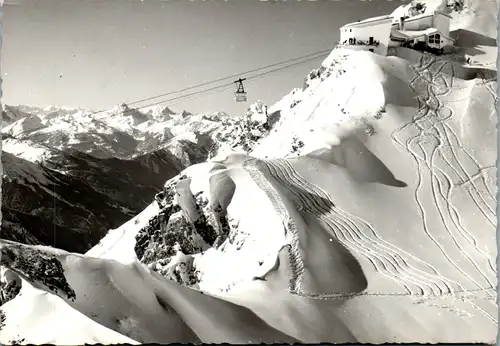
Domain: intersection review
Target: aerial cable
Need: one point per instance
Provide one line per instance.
(221, 79)
(228, 84)
(193, 95)
(228, 77)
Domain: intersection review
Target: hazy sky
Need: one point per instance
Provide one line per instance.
(96, 54)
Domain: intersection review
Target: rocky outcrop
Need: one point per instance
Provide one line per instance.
(37, 267)
(179, 231)
(10, 285)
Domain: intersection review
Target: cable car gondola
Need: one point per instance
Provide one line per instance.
(240, 95)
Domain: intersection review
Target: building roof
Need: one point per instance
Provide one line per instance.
(369, 21)
(412, 34)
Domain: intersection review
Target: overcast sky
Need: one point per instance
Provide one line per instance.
(96, 54)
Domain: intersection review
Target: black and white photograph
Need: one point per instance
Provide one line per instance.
(248, 171)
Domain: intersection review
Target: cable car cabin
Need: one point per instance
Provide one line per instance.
(240, 95)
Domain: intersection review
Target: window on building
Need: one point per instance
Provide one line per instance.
(436, 38)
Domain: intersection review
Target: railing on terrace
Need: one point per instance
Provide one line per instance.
(361, 43)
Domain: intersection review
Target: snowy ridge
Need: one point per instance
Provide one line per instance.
(26, 150)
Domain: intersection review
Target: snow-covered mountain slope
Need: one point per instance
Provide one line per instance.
(69, 199)
(365, 213)
(103, 296)
(24, 320)
(125, 132)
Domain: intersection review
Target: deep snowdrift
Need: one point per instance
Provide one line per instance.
(122, 298)
(367, 213)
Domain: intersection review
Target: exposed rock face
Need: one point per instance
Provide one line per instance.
(37, 267)
(416, 8)
(181, 229)
(10, 285)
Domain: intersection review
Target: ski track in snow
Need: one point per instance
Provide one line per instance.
(353, 232)
(385, 258)
(291, 231)
(430, 108)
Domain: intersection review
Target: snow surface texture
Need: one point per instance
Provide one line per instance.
(365, 213)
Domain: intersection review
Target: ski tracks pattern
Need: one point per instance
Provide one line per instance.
(415, 275)
(360, 237)
(354, 233)
(429, 123)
